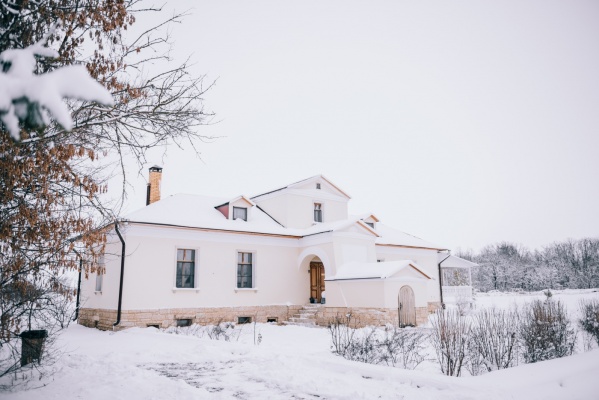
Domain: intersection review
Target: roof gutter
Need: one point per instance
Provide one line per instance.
(441, 280)
(118, 313)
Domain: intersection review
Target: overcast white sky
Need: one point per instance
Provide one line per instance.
(464, 122)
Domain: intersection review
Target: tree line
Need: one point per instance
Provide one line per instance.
(505, 266)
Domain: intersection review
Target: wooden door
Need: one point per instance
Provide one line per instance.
(316, 280)
(406, 307)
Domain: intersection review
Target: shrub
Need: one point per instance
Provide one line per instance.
(221, 331)
(394, 346)
(545, 331)
(493, 341)
(450, 339)
(402, 347)
(589, 320)
(342, 330)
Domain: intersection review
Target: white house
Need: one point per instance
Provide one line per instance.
(196, 259)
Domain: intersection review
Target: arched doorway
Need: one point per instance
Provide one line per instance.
(316, 280)
(406, 307)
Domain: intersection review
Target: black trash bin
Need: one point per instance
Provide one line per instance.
(32, 344)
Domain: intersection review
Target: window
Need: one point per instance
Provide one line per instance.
(241, 213)
(317, 212)
(100, 273)
(272, 320)
(186, 268)
(99, 277)
(318, 186)
(184, 322)
(244, 320)
(370, 224)
(244, 270)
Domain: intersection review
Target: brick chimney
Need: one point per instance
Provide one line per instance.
(153, 193)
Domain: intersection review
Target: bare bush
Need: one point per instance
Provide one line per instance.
(342, 330)
(450, 339)
(226, 331)
(352, 343)
(493, 341)
(589, 320)
(545, 331)
(402, 347)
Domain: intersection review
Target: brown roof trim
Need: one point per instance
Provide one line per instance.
(302, 181)
(215, 230)
(419, 270)
(410, 247)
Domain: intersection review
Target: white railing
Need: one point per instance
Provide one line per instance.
(452, 293)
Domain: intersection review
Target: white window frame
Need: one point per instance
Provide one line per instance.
(321, 204)
(195, 268)
(240, 208)
(254, 270)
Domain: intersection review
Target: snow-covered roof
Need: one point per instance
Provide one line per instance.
(376, 270)
(304, 181)
(456, 262)
(199, 212)
(196, 211)
(392, 236)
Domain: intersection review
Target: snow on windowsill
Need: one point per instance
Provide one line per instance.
(246, 290)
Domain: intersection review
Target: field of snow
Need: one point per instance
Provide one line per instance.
(291, 362)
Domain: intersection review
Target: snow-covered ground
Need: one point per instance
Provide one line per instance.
(291, 362)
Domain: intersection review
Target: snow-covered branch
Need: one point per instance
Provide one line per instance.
(27, 98)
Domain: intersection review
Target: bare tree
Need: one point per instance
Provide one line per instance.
(52, 181)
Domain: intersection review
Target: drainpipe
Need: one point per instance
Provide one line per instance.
(118, 313)
(78, 285)
(441, 281)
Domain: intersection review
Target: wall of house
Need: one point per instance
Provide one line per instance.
(354, 245)
(426, 259)
(150, 271)
(295, 208)
(281, 277)
(108, 296)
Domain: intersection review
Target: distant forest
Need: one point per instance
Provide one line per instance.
(572, 264)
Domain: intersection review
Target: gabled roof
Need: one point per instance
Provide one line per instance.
(304, 181)
(457, 262)
(377, 270)
(372, 216)
(242, 197)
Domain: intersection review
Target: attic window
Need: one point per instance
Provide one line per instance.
(318, 186)
(240, 213)
(370, 224)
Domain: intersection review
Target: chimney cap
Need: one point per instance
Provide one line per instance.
(155, 168)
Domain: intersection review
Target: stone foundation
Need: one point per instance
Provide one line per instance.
(433, 306)
(368, 316)
(104, 319)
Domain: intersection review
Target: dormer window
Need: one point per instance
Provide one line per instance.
(240, 213)
(318, 186)
(370, 224)
(317, 212)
